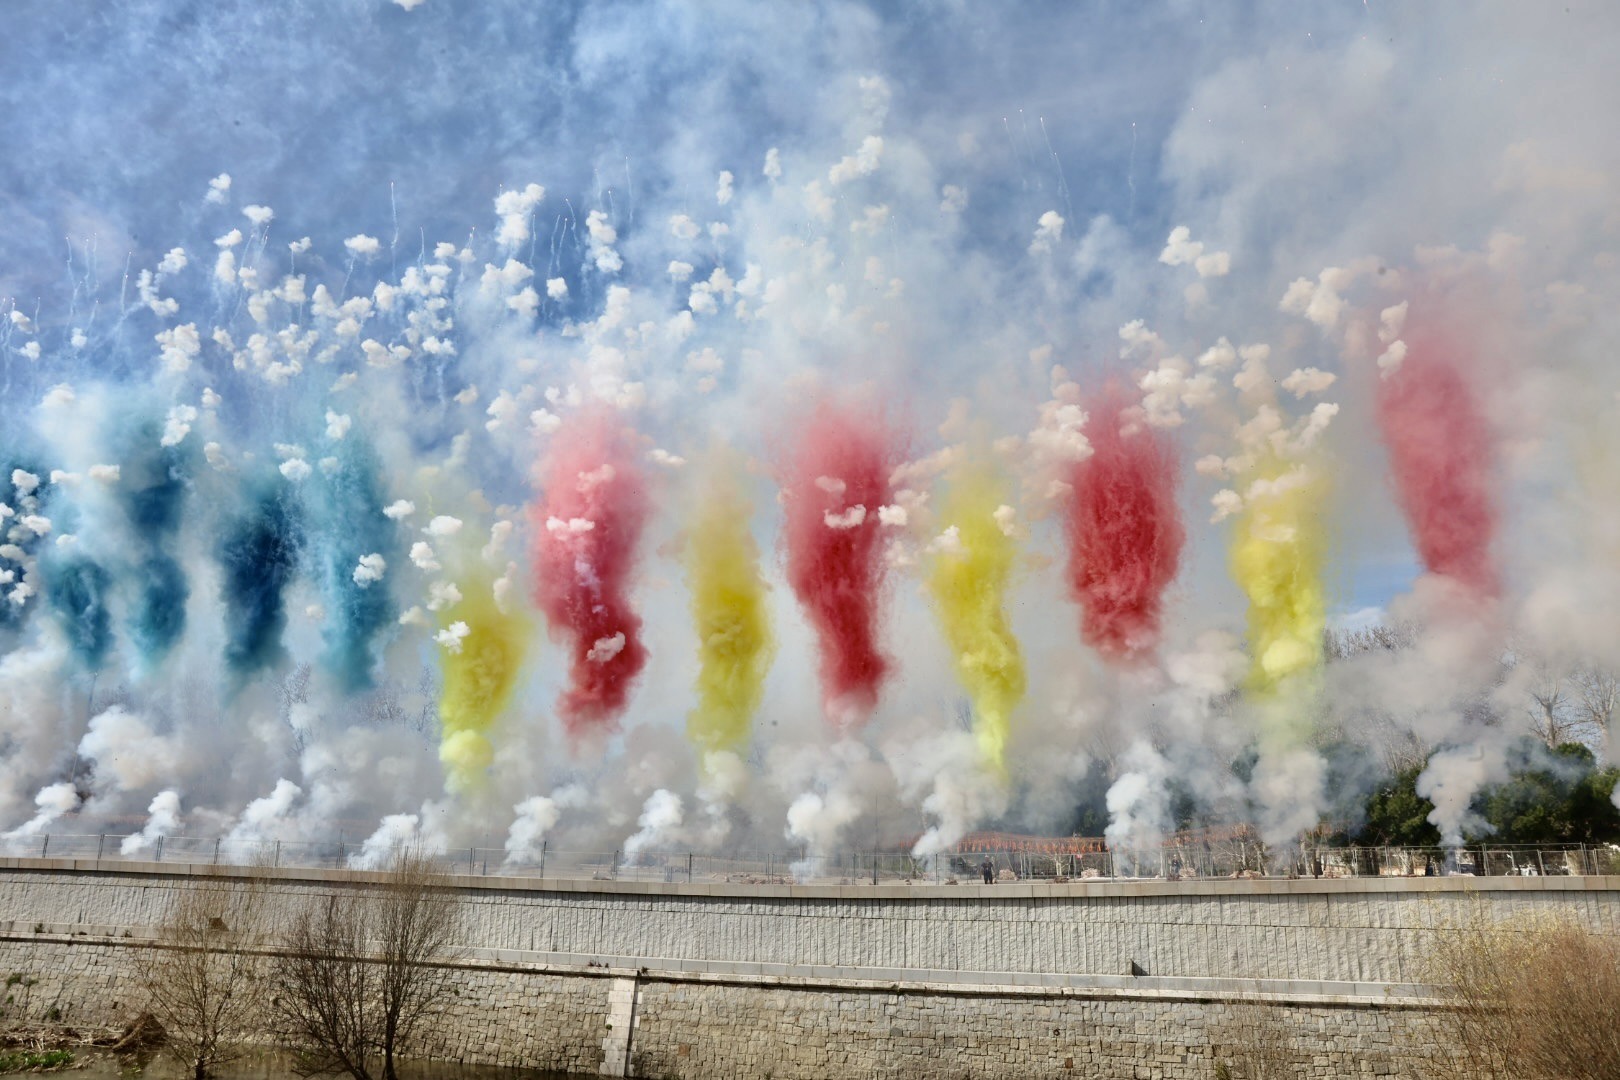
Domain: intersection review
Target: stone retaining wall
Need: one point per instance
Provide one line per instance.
(817, 982)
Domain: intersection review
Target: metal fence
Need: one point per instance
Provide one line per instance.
(1172, 861)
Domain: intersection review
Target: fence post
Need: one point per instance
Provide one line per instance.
(689, 868)
(159, 856)
(101, 842)
(874, 868)
(276, 860)
(471, 858)
(543, 844)
(45, 846)
(216, 851)
(614, 871)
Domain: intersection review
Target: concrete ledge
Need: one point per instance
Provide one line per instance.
(1076, 890)
(1303, 993)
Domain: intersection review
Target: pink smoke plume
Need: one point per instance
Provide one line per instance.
(1124, 528)
(587, 526)
(835, 479)
(1440, 453)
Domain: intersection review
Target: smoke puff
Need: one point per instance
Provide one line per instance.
(536, 817)
(163, 819)
(660, 823)
(126, 752)
(51, 803)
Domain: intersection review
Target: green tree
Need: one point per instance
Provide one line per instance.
(1557, 796)
(1397, 816)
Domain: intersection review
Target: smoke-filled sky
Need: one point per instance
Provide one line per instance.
(709, 424)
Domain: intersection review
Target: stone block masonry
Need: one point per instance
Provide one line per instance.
(705, 981)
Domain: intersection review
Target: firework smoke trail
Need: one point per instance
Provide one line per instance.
(729, 613)
(258, 556)
(481, 665)
(356, 546)
(1124, 530)
(835, 482)
(1276, 558)
(970, 568)
(586, 531)
(1440, 457)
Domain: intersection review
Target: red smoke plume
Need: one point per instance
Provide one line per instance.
(586, 530)
(835, 480)
(1440, 456)
(1125, 531)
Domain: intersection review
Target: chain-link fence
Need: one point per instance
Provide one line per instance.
(1082, 861)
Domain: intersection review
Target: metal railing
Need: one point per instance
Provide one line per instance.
(1170, 862)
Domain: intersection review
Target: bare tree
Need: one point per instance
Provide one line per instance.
(205, 976)
(1569, 704)
(1597, 696)
(363, 970)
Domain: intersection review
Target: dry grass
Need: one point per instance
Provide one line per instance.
(1535, 1000)
(1254, 1042)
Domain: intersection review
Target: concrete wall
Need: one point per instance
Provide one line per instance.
(709, 980)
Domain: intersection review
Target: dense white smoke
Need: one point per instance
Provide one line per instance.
(269, 450)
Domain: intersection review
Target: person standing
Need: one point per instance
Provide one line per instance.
(989, 871)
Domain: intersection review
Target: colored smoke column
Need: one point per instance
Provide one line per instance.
(729, 612)
(1276, 559)
(836, 480)
(153, 489)
(353, 527)
(77, 589)
(586, 532)
(258, 557)
(1440, 457)
(478, 682)
(969, 571)
(1125, 532)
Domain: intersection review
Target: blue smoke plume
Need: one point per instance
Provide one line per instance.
(77, 590)
(352, 526)
(258, 556)
(154, 486)
(160, 606)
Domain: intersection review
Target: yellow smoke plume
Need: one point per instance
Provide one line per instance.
(735, 646)
(970, 567)
(478, 681)
(1278, 548)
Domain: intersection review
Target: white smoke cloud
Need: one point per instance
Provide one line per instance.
(660, 824)
(163, 819)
